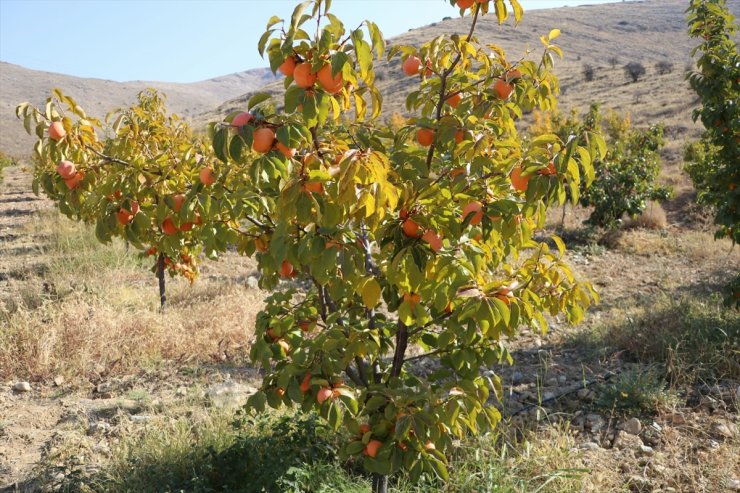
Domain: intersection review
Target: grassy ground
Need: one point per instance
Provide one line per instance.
(133, 410)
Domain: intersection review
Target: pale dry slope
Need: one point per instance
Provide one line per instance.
(98, 96)
(647, 32)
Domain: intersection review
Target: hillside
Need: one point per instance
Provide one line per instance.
(647, 32)
(98, 96)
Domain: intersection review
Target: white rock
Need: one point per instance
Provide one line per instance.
(632, 426)
(594, 422)
(562, 379)
(140, 418)
(589, 446)
(253, 282)
(733, 485)
(724, 430)
(22, 387)
(646, 451)
(182, 391)
(58, 380)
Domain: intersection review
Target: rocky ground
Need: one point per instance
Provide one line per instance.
(686, 439)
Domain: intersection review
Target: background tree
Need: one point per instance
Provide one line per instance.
(714, 162)
(634, 70)
(625, 179)
(146, 183)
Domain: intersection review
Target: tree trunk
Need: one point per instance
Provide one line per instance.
(160, 276)
(380, 483)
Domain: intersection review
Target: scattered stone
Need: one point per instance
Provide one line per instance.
(656, 427)
(107, 408)
(639, 484)
(548, 396)
(585, 394)
(98, 427)
(632, 426)
(140, 418)
(589, 446)
(646, 451)
(660, 469)
(58, 380)
(551, 382)
(229, 394)
(22, 387)
(624, 440)
(253, 282)
(713, 444)
(181, 391)
(562, 379)
(517, 377)
(724, 430)
(594, 422)
(733, 485)
(102, 448)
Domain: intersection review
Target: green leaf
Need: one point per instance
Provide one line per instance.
(258, 98)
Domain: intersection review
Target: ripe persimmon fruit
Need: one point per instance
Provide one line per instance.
(412, 298)
(330, 84)
(519, 182)
(303, 75)
(324, 394)
(410, 228)
(177, 201)
(286, 269)
(56, 131)
(454, 100)
(411, 65)
(263, 140)
(425, 137)
(476, 209)
(503, 89)
(206, 176)
(434, 240)
(168, 227)
(66, 169)
(241, 119)
(372, 447)
(306, 383)
(288, 67)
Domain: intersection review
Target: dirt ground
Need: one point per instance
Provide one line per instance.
(68, 424)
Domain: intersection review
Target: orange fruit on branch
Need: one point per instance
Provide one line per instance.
(306, 383)
(372, 447)
(66, 169)
(56, 131)
(286, 151)
(412, 298)
(331, 84)
(503, 89)
(168, 227)
(286, 269)
(324, 394)
(476, 209)
(177, 201)
(425, 136)
(454, 100)
(241, 119)
(288, 67)
(303, 75)
(519, 182)
(434, 240)
(410, 228)
(411, 65)
(206, 176)
(263, 139)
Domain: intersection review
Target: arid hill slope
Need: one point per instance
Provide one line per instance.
(98, 96)
(647, 32)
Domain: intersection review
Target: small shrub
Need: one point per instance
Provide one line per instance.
(664, 67)
(634, 70)
(588, 72)
(613, 61)
(636, 391)
(651, 218)
(5, 162)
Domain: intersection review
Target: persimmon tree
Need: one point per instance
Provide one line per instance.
(142, 177)
(714, 162)
(423, 243)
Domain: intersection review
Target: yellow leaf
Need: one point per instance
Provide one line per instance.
(371, 293)
(553, 34)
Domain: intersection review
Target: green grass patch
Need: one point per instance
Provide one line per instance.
(296, 452)
(693, 340)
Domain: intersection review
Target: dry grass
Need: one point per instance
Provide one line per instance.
(94, 310)
(653, 217)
